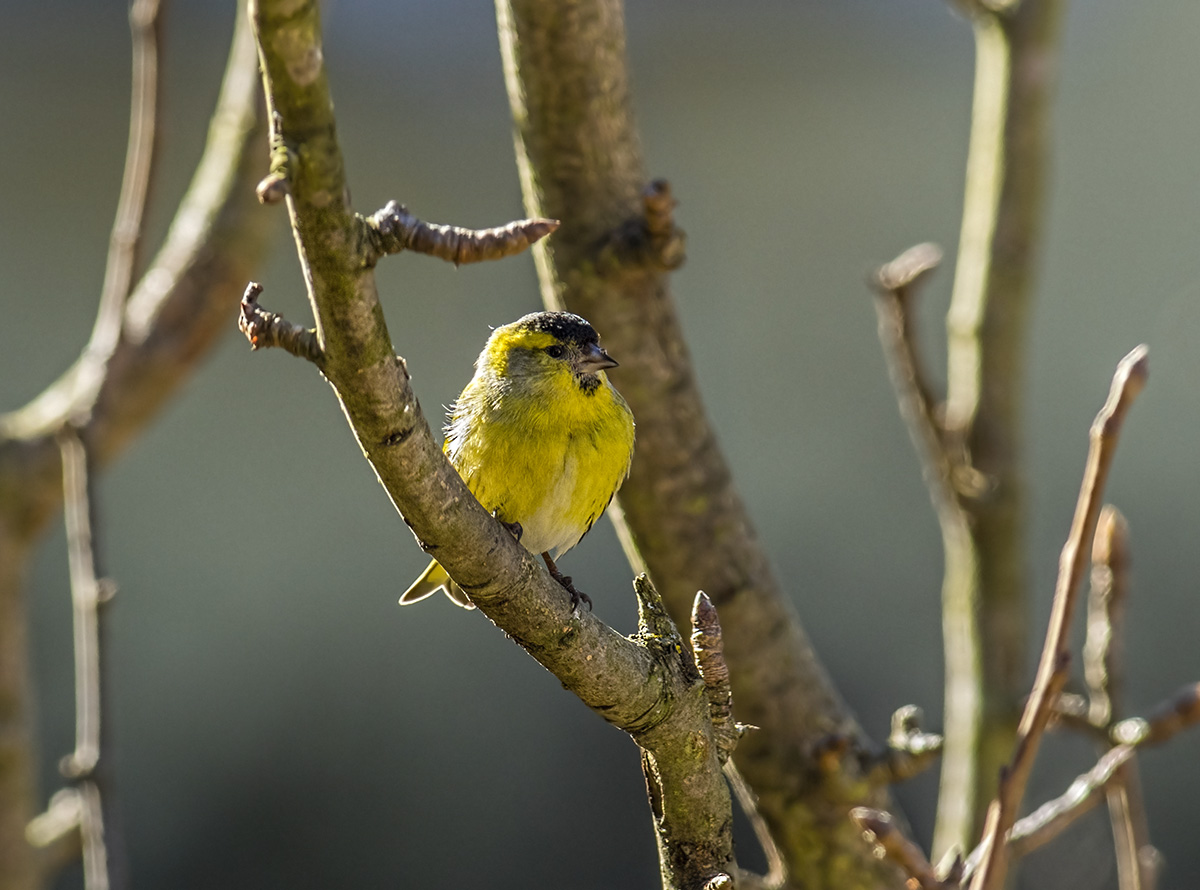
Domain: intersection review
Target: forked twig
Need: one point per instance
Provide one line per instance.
(1177, 713)
(1128, 381)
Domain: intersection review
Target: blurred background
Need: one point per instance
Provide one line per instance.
(281, 722)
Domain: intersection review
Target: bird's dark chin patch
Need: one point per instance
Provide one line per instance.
(589, 383)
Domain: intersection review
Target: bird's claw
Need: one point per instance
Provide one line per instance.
(514, 528)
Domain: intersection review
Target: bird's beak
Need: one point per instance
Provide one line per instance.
(594, 359)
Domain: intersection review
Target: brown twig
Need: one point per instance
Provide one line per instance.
(1127, 383)
(140, 164)
(395, 229)
(895, 286)
(265, 329)
(879, 829)
(89, 593)
(909, 752)
(1177, 713)
(1103, 673)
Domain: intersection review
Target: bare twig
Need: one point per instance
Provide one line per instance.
(1127, 383)
(176, 311)
(879, 829)
(88, 594)
(777, 872)
(1103, 672)
(1102, 650)
(396, 229)
(1177, 713)
(895, 287)
(140, 164)
(909, 752)
(264, 329)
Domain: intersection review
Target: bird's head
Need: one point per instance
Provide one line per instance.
(550, 347)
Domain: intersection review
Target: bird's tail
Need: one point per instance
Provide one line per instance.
(432, 580)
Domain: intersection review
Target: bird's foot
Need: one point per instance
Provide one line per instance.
(514, 528)
(578, 597)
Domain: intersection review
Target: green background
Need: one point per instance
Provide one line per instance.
(281, 722)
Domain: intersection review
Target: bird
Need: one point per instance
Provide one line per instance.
(541, 438)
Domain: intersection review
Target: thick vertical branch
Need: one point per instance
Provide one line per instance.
(580, 161)
(984, 605)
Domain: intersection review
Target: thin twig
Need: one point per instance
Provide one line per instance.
(895, 286)
(88, 593)
(1103, 670)
(140, 164)
(264, 329)
(909, 752)
(880, 829)
(396, 229)
(1127, 383)
(1181, 711)
(777, 872)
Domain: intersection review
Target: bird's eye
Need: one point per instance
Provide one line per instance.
(555, 351)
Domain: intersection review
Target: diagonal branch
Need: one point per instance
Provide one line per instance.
(647, 685)
(1051, 675)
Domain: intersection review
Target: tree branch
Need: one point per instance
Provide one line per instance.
(1103, 670)
(179, 307)
(1174, 715)
(579, 160)
(265, 329)
(394, 229)
(880, 831)
(1127, 383)
(983, 592)
(86, 766)
(140, 164)
(646, 685)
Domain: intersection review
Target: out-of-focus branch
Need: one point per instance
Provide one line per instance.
(145, 24)
(909, 751)
(880, 831)
(984, 582)
(86, 766)
(180, 305)
(1103, 670)
(680, 515)
(646, 685)
(1051, 675)
(1174, 715)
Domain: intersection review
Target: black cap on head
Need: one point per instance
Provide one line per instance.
(566, 326)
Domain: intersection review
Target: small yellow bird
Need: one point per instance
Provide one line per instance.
(541, 438)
